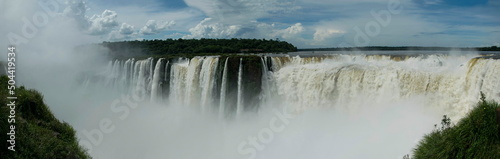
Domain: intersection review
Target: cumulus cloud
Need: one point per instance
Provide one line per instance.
(154, 27)
(242, 11)
(102, 24)
(322, 34)
(99, 24)
(210, 28)
(279, 19)
(242, 19)
(126, 31)
(76, 11)
(292, 31)
(107, 25)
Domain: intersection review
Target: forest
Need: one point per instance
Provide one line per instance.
(197, 46)
(403, 48)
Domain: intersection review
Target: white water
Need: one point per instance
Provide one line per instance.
(193, 82)
(207, 82)
(156, 90)
(223, 89)
(451, 83)
(239, 100)
(445, 81)
(177, 81)
(342, 105)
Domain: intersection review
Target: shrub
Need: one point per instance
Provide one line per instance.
(474, 136)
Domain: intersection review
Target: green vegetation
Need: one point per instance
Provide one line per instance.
(492, 48)
(381, 48)
(196, 46)
(475, 136)
(38, 134)
(402, 48)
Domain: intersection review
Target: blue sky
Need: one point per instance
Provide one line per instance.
(305, 23)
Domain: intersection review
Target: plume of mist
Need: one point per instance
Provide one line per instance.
(48, 62)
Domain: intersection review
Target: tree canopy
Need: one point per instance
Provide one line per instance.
(193, 46)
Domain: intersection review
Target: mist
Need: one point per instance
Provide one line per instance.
(294, 122)
(381, 130)
(365, 128)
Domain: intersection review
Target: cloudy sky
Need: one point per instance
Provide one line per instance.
(307, 24)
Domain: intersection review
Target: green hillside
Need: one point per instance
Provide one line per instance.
(38, 134)
(475, 136)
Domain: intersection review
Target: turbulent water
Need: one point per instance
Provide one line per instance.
(387, 95)
(450, 82)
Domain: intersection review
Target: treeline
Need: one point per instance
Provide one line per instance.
(378, 48)
(492, 48)
(194, 46)
(402, 48)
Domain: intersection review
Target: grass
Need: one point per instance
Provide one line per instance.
(38, 133)
(475, 136)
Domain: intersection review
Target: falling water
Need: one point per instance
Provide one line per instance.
(239, 102)
(178, 81)
(448, 82)
(223, 90)
(192, 82)
(156, 90)
(207, 81)
(334, 99)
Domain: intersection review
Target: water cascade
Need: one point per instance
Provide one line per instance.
(237, 84)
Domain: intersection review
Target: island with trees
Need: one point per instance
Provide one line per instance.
(198, 46)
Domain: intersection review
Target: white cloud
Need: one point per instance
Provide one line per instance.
(184, 18)
(322, 34)
(76, 11)
(292, 31)
(102, 24)
(107, 25)
(154, 27)
(126, 31)
(174, 35)
(321, 23)
(242, 11)
(239, 19)
(208, 28)
(432, 2)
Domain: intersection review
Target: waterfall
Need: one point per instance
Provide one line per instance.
(233, 101)
(126, 74)
(452, 83)
(222, 104)
(178, 74)
(192, 94)
(239, 100)
(115, 73)
(166, 77)
(341, 81)
(156, 90)
(108, 74)
(144, 77)
(266, 81)
(207, 81)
